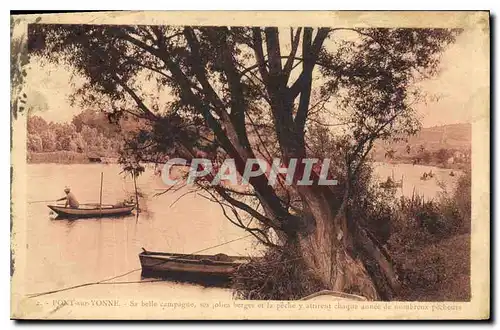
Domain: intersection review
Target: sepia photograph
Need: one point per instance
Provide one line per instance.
(252, 165)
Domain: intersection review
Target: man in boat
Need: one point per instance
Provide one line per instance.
(70, 199)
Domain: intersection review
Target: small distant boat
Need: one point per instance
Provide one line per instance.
(391, 183)
(189, 266)
(94, 159)
(427, 176)
(92, 210)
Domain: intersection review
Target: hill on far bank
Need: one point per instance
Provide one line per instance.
(451, 137)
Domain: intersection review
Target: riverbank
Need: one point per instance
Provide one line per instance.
(446, 166)
(66, 157)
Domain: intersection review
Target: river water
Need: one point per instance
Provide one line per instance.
(411, 174)
(64, 253)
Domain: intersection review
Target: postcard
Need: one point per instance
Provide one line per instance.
(250, 165)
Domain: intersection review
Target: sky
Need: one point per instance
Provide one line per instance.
(461, 83)
(464, 74)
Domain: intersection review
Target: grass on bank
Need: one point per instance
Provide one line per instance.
(429, 241)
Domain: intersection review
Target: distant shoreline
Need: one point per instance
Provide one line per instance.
(454, 166)
(71, 157)
(67, 157)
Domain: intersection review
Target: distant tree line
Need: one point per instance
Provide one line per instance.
(88, 132)
(443, 156)
(421, 155)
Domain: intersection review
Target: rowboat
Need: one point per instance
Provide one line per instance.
(391, 183)
(192, 267)
(427, 176)
(92, 210)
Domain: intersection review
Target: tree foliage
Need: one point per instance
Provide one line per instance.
(89, 131)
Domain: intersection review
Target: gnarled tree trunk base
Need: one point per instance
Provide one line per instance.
(338, 270)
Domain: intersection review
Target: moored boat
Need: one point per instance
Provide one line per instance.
(92, 210)
(189, 267)
(391, 183)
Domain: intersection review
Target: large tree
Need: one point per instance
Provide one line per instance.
(250, 92)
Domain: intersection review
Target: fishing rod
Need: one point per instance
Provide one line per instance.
(56, 201)
(51, 201)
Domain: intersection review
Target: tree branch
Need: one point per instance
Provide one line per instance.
(274, 53)
(312, 56)
(265, 240)
(259, 54)
(148, 113)
(290, 59)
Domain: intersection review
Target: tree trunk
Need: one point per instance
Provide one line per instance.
(339, 254)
